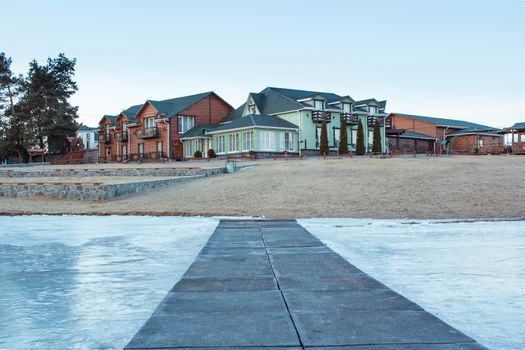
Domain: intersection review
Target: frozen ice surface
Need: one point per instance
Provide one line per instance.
(71, 282)
(472, 275)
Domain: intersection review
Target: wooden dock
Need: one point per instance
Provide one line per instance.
(273, 285)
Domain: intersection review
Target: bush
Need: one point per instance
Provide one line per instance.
(211, 153)
(197, 154)
(343, 138)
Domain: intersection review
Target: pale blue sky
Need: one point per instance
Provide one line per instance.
(461, 59)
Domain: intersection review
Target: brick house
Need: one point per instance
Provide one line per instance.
(446, 135)
(152, 131)
(517, 137)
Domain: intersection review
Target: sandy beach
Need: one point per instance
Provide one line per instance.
(421, 188)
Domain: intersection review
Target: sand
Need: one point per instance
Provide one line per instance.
(458, 187)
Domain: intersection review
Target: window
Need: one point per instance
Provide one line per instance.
(185, 123)
(234, 142)
(353, 136)
(125, 151)
(141, 150)
(318, 105)
(96, 136)
(346, 107)
(337, 137)
(480, 143)
(288, 141)
(159, 148)
(149, 122)
(220, 144)
(188, 148)
(317, 137)
(252, 109)
(267, 141)
(247, 141)
(370, 137)
(373, 110)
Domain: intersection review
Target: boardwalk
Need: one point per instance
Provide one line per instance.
(273, 285)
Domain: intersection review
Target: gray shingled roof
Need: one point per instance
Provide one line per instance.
(368, 102)
(236, 114)
(453, 123)
(302, 94)
(173, 106)
(489, 132)
(255, 120)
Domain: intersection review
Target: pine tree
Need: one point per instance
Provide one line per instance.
(376, 146)
(343, 136)
(360, 143)
(47, 89)
(323, 142)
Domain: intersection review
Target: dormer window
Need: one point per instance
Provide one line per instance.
(252, 109)
(149, 122)
(346, 108)
(318, 105)
(373, 110)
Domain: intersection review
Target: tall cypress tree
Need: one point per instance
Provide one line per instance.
(323, 142)
(343, 135)
(360, 143)
(376, 146)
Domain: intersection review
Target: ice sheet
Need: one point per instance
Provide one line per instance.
(89, 282)
(472, 275)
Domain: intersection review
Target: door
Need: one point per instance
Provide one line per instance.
(337, 137)
(159, 149)
(141, 150)
(108, 153)
(124, 152)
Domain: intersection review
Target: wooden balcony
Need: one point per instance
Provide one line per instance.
(321, 116)
(147, 133)
(350, 119)
(371, 120)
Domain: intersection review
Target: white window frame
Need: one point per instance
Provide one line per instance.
(149, 122)
(267, 141)
(184, 123)
(346, 108)
(247, 141)
(316, 105)
(288, 146)
(221, 144)
(234, 143)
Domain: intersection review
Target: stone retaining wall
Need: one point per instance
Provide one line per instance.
(87, 191)
(114, 172)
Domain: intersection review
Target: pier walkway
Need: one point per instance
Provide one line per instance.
(272, 285)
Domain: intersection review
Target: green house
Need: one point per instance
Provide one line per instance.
(278, 120)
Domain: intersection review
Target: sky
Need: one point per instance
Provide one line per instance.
(460, 59)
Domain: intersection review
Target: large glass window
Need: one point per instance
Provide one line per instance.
(373, 110)
(346, 107)
(337, 137)
(185, 123)
(318, 105)
(247, 141)
(234, 142)
(288, 141)
(267, 140)
(220, 144)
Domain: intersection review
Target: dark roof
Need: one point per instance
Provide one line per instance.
(303, 94)
(83, 127)
(489, 132)
(382, 105)
(370, 101)
(360, 109)
(416, 135)
(253, 120)
(453, 123)
(131, 111)
(258, 99)
(111, 118)
(234, 115)
(173, 106)
(520, 125)
(198, 130)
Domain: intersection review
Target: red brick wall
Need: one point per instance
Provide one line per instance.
(210, 110)
(468, 143)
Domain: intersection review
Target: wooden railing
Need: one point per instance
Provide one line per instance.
(147, 133)
(320, 116)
